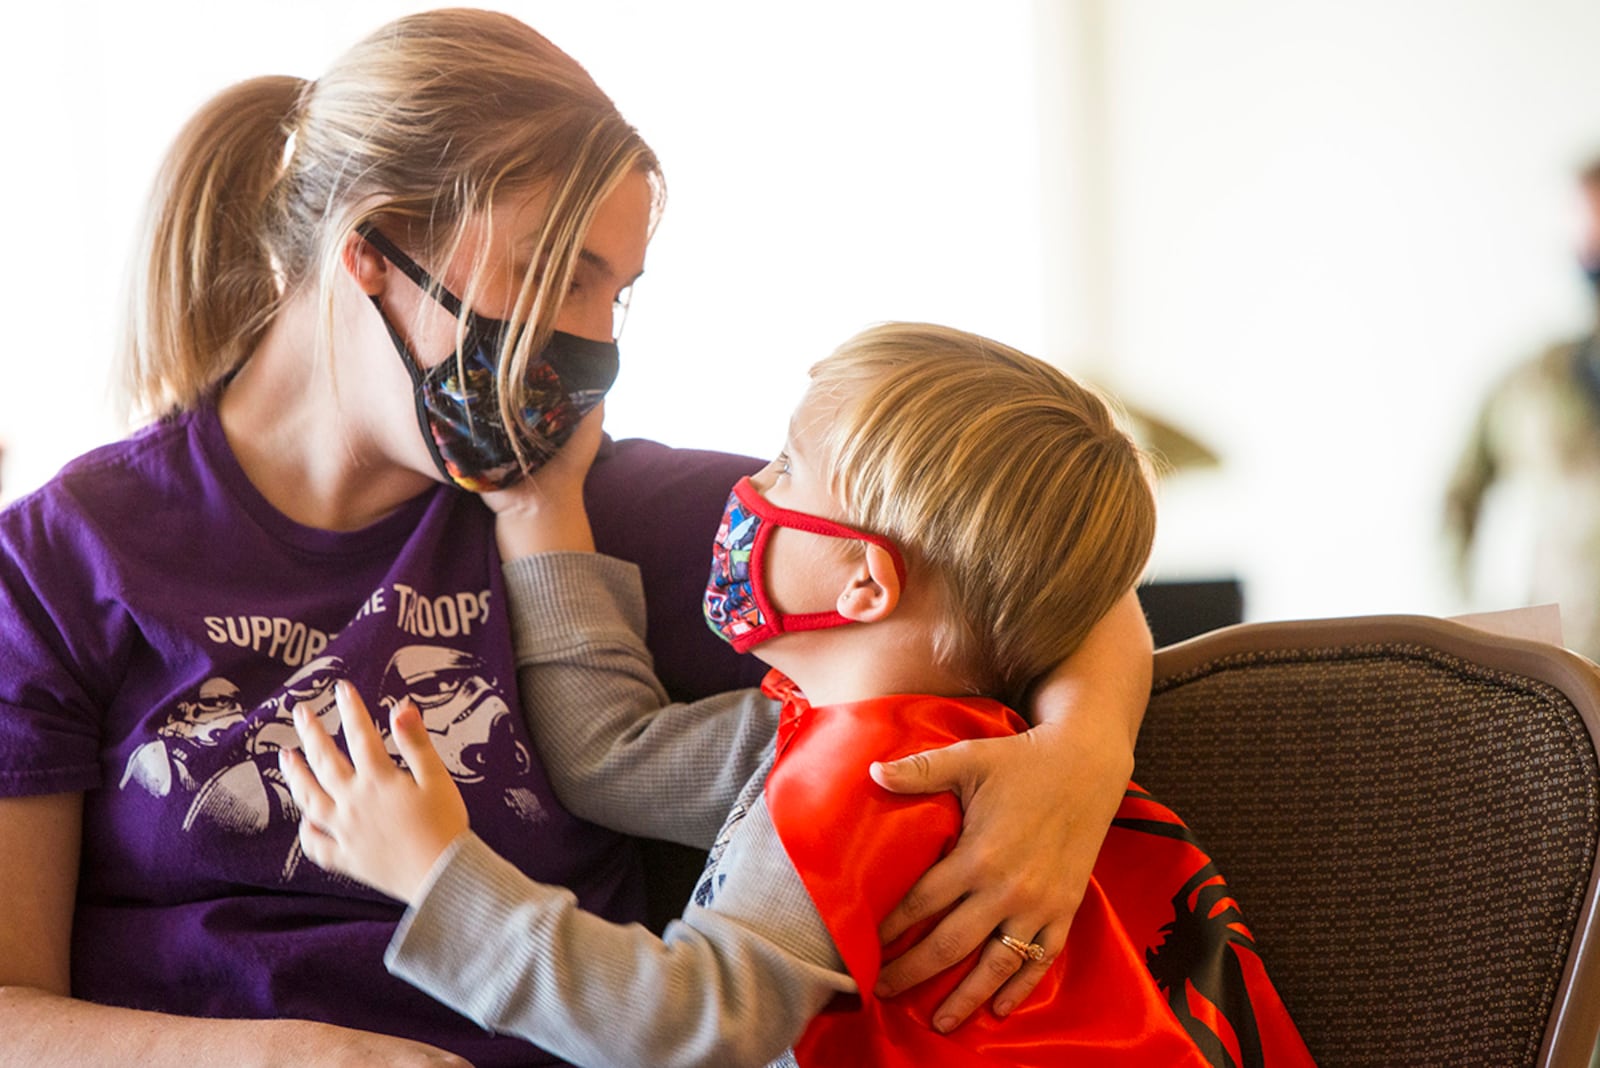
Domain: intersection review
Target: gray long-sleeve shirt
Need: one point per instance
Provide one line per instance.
(737, 978)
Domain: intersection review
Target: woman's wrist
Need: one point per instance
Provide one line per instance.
(1104, 686)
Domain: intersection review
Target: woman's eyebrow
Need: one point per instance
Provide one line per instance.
(600, 263)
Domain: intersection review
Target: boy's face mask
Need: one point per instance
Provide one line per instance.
(737, 605)
(457, 400)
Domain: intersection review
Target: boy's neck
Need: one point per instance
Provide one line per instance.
(861, 662)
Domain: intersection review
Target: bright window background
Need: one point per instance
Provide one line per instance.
(1311, 233)
(859, 163)
(1333, 225)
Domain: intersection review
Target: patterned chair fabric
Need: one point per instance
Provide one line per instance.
(1408, 811)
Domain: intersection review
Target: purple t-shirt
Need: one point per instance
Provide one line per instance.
(159, 621)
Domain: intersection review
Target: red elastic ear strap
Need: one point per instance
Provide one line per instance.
(772, 621)
(814, 524)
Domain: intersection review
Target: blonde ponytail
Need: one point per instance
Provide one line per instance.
(204, 284)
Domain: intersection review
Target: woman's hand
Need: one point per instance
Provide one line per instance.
(384, 825)
(1037, 807)
(544, 512)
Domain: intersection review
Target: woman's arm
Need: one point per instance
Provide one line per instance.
(1037, 807)
(44, 1026)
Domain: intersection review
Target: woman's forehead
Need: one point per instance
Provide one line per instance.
(614, 245)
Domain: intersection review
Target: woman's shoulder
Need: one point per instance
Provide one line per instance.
(657, 506)
(126, 466)
(110, 486)
(674, 480)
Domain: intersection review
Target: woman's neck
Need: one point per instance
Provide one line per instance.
(310, 441)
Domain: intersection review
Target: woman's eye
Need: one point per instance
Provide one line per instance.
(619, 312)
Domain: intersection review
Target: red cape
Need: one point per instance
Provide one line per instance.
(859, 849)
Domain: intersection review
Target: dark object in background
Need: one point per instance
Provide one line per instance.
(1179, 610)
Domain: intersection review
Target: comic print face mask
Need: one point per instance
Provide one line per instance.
(737, 606)
(457, 401)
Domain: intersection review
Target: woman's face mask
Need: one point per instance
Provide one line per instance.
(458, 405)
(737, 605)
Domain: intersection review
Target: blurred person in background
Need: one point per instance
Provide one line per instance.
(1539, 430)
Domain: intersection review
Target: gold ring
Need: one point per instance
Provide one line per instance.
(1026, 950)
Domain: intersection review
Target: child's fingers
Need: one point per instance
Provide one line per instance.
(312, 800)
(319, 845)
(331, 768)
(360, 733)
(416, 748)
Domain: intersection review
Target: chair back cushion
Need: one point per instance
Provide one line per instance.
(1409, 828)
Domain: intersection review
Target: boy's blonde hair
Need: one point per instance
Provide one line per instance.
(425, 123)
(999, 476)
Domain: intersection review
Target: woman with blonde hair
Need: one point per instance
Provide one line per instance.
(365, 308)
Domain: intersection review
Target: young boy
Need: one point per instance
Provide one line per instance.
(948, 519)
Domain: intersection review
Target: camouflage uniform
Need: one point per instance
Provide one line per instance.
(1540, 428)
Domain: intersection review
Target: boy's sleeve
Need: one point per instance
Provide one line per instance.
(735, 983)
(618, 752)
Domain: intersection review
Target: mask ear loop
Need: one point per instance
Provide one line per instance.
(410, 268)
(449, 301)
(418, 393)
(774, 516)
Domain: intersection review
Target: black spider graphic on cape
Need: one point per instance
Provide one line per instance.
(1194, 952)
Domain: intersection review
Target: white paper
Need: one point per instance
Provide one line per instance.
(1540, 622)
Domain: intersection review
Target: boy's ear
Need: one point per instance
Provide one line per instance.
(364, 263)
(874, 588)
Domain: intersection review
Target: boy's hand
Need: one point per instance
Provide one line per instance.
(364, 817)
(544, 512)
